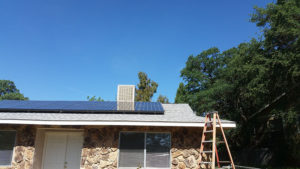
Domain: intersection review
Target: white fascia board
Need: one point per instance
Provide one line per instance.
(113, 123)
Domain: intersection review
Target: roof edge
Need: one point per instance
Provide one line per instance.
(113, 123)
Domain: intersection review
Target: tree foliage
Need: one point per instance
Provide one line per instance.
(180, 94)
(255, 84)
(94, 98)
(9, 91)
(162, 99)
(145, 88)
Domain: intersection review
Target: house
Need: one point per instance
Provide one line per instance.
(92, 135)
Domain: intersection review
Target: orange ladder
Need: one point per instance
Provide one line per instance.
(211, 124)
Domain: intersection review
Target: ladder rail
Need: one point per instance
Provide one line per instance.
(218, 160)
(214, 143)
(225, 140)
(202, 139)
(214, 152)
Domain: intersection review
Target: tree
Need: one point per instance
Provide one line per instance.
(281, 25)
(202, 84)
(13, 96)
(255, 84)
(162, 99)
(145, 89)
(9, 91)
(7, 86)
(180, 94)
(94, 98)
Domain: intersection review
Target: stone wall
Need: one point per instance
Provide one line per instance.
(100, 148)
(185, 147)
(24, 149)
(101, 145)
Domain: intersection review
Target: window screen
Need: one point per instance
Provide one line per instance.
(158, 150)
(131, 150)
(7, 143)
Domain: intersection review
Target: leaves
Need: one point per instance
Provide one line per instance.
(180, 94)
(7, 86)
(94, 98)
(145, 89)
(244, 83)
(9, 91)
(162, 99)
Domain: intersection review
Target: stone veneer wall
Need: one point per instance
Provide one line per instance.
(24, 147)
(100, 148)
(101, 145)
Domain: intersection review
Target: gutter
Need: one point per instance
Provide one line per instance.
(113, 123)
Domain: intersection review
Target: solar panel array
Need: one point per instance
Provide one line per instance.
(80, 106)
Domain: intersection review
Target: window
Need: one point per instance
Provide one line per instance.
(132, 150)
(146, 150)
(7, 143)
(158, 150)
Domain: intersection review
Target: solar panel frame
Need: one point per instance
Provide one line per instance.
(79, 107)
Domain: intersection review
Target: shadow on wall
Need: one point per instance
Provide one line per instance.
(181, 138)
(25, 136)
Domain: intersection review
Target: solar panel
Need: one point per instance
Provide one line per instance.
(82, 106)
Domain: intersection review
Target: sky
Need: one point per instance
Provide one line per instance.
(71, 49)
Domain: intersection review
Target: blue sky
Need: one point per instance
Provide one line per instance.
(69, 49)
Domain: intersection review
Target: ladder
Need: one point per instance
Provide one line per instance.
(209, 130)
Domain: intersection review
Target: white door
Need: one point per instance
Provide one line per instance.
(74, 146)
(62, 150)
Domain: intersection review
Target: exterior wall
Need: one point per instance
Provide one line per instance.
(100, 148)
(24, 147)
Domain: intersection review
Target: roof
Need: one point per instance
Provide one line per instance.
(175, 115)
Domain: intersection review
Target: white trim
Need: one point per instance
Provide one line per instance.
(40, 142)
(114, 123)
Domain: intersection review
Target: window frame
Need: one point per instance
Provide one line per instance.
(13, 153)
(145, 150)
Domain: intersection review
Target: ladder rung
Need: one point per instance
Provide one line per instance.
(207, 141)
(205, 162)
(208, 131)
(210, 125)
(224, 161)
(206, 152)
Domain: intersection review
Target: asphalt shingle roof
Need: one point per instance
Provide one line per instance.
(180, 113)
